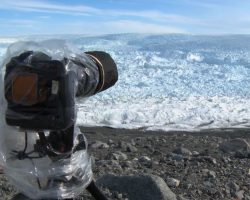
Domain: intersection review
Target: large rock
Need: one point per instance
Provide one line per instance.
(239, 147)
(235, 145)
(146, 187)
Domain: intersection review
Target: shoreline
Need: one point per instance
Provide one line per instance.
(220, 132)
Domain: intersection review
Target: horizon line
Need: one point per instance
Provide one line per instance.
(124, 33)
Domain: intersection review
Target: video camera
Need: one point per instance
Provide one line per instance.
(41, 92)
(43, 152)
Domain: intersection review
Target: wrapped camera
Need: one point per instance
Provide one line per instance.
(40, 92)
(43, 152)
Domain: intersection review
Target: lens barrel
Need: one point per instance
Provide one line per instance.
(107, 68)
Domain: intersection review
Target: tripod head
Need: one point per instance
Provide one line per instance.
(43, 152)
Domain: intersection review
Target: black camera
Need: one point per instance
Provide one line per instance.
(45, 153)
(40, 91)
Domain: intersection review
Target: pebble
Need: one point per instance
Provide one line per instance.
(183, 151)
(154, 164)
(110, 142)
(131, 148)
(128, 164)
(209, 188)
(176, 157)
(99, 145)
(192, 178)
(118, 195)
(133, 142)
(209, 173)
(195, 153)
(172, 182)
(118, 155)
(205, 158)
(233, 187)
(157, 152)
(122, 145)
(145, 160)
(226, 159)
(239, 195)
(107, 163)
(138, 139)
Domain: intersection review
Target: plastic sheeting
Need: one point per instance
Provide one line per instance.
(34, 172)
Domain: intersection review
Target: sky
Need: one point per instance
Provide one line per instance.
(209, 17)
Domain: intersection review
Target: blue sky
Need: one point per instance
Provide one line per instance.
(28, 17)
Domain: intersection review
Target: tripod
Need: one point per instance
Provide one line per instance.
(56, 145)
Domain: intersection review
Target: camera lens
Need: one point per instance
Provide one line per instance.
(107, 69)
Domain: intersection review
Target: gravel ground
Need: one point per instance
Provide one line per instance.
(212, 164)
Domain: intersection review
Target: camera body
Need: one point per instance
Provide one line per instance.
(40, 95)
(40, 92)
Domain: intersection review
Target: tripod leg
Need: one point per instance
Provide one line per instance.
(95, 192)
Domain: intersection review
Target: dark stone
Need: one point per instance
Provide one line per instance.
(205, 159)
(131, 148)
(233, 187)
(239, 195)
(235, 145)
(99, 145)
(122, 145)
(177, 157)
(146, 187)
(183, 151)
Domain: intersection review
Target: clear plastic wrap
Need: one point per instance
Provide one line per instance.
(33, 159)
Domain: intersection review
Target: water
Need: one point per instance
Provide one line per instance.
(169, 82)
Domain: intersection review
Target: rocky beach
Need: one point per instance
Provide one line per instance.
(157, 165)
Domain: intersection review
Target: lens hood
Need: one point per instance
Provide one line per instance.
(107, 69)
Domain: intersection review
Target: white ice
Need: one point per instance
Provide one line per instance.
(170, 82)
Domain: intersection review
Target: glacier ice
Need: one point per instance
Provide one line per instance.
(169, 82)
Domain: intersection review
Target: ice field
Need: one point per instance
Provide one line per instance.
(168, 82)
